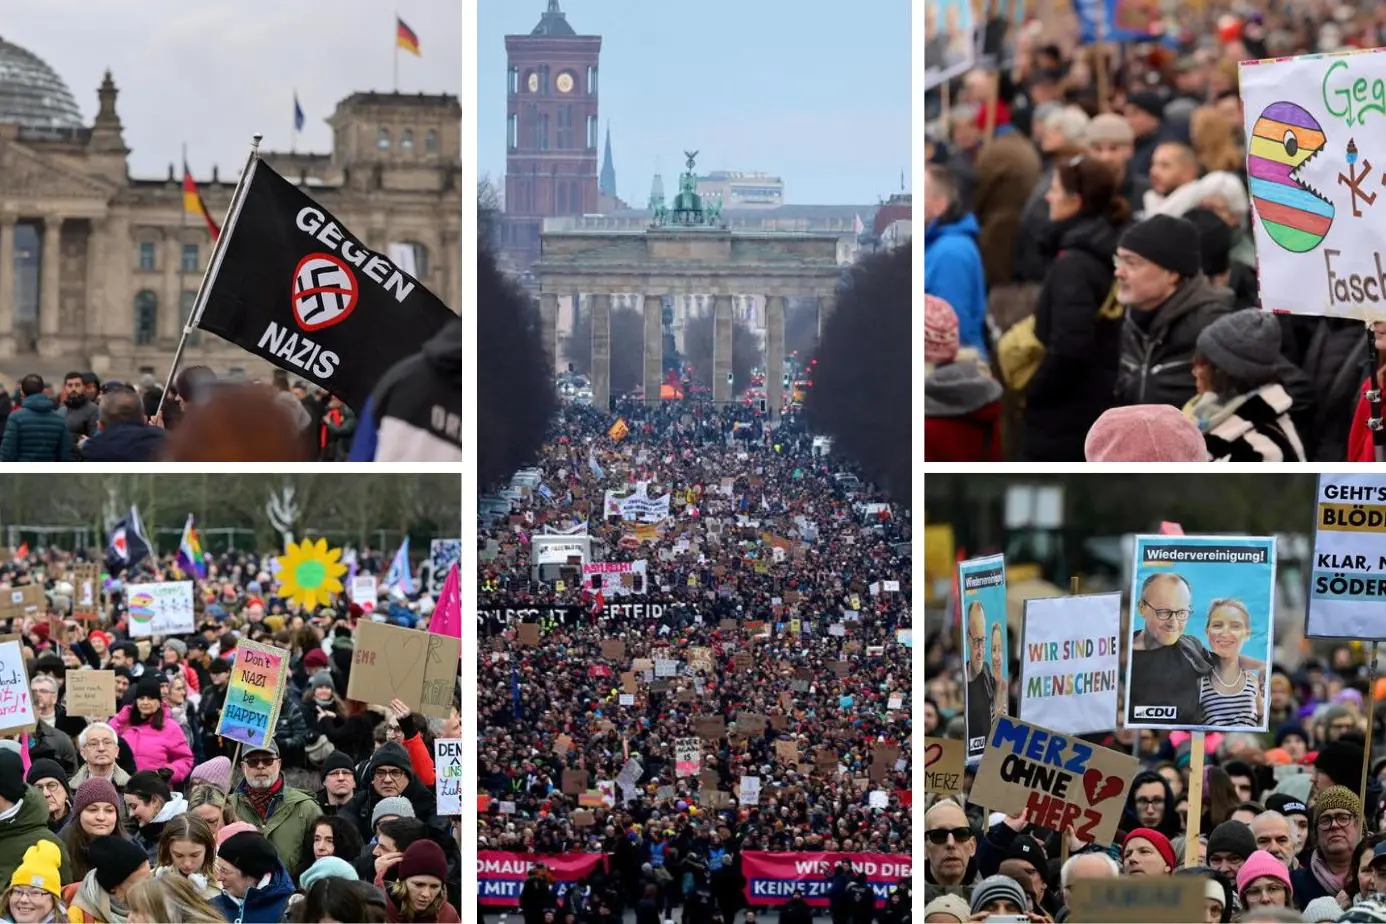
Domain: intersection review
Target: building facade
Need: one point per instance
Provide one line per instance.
(739, 189)
(551, 132)
(99, 270)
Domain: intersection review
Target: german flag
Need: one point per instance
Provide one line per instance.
(406, 39)
(193, 204)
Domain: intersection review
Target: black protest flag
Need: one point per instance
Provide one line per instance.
(291, 284)
(127, 545)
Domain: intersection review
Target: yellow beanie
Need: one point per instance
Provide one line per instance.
(276, 623)
(40, 869)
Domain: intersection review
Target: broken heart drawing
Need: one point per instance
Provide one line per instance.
(1099, 789)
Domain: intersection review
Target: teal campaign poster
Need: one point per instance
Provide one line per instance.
(1200, 644)
(985, 655)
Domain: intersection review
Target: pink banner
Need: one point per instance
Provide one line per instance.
(447, 615)
(771, 878)
(500, 875)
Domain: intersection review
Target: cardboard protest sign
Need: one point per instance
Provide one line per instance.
(1347, 586)
(787, 750)
(442, 662)
(710, 727)
(983, 583)
(86, 591)
(385, 664)
(1062, 781)
(527, 633)
(750, 723)
(18, 602)
(583, 818)
(447, 759)
(629, 684)
(944, 762)
(574, 782)
(561, 745)
(163, 608)
(1070, 656)
(1198, 600)
(16, 706)
(742, 660)
(255, 693)
(613, 649)
(1138, 900)
(91, 694)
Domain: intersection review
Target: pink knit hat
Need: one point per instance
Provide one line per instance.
(216, 771)
(1260, 865)
(235, 827)
(1145, 433)
(940, 331)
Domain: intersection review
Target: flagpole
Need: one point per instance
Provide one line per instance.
(182, 228)
(293, 135)
(396, 51)
(233, 210)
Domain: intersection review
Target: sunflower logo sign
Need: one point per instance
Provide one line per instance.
(164, 608)
(310, 574)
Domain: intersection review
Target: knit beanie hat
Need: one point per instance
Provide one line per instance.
(1158, 841)
(95, 790)
(320, 679)
(1323, 908)
(39, 870)
(45, 768)
(1148, 101)
(149, 686)
(179, 647)
(114, 858)
(1337, 798)
(940, 331)
(1214, 240)
(1288, 729)
(336, 761)
(1232, 837)
(988, 890)
(1286, 805)
(315, 659)
(1296, 786)
(425, 858)
(231, 830)
(950, 905)
(216, 771)
(250, 852)
(1145, 433)
(11, 776)
(1245, 344)
(1170, 243)
(1342, 761)
(326, 868)
(1260, 865)
(394, 805)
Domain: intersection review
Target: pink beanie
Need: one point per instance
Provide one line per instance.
(1145, 433)
(216, 771)
(1260, 865)
(235, 827)
(940, 331)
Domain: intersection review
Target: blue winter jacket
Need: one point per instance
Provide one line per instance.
(953, 272)
(261, 906)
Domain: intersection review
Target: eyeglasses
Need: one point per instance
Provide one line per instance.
(1268, 890)
(1164, 615)
(1336, 820)
(100, 744)
(29, 895)
(1155, 802)
(259, 762)
(977, 641)
(939, 836)
(388, 773)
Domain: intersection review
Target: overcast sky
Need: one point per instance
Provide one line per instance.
(211, 73)
(809, 90)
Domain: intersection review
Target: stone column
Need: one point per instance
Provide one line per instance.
(170, 326)
(721, 348)
(774, 354)
(601, 350)
(7, 346)
(826, 305)
(653, 307)
(548, 327)
(49, 272)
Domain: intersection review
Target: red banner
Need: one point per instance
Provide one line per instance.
(771, 878)
(500, 875)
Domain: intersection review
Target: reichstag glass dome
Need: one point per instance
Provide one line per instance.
(32, 94)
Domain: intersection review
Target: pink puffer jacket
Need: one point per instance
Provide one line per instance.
(166, 747)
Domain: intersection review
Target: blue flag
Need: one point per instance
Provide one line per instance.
(515, 688)
(298, 114)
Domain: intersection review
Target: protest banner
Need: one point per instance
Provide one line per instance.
(385, 664)
(615, 578)
(1306, 119)
(983, 583)
(16, 706)
(1138, 900)
(500, 875)
(164, 608)
(255, 693)
(773, 877)
(638, 506)
(1201, 632)
(86, 591)
(18, 602)
(447, 762)
(1063, 782)
(1347, 586)
(363, 592)
(91, 694)
(688, 756)
(574, 782)
(1070, 658)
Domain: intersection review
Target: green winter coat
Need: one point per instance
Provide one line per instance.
(287, 825)
(28, 826)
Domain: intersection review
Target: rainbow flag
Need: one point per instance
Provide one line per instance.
(190, 557)
(193, 204)
(406, 39)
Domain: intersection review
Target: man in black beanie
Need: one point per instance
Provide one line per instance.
(338, 782)
(23, 818)
(1229, 846)
(117, 866)
(1168, 302)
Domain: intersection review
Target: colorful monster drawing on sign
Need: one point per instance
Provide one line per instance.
(142, 607)
(1294, 214)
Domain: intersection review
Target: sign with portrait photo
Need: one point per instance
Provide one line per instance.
(1201, 632)
(985, 695)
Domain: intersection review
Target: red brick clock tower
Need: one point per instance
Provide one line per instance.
(551, 131)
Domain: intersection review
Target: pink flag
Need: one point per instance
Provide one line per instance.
(447, 616)
(1171, 529)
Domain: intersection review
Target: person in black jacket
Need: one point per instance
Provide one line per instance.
(382, 780)
(124, 436)
(1169, 301)
(1077, 317)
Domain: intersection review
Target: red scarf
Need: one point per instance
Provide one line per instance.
(260, 799)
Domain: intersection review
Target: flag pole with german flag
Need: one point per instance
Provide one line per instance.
(406, 39)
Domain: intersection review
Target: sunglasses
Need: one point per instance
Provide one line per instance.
(258, 762)
(939, 836)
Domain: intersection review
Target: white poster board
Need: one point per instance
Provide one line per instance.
(1347, 585)
(164, 608)
(1070, 661)
(364, 592)
(16, 707)
(447, 761)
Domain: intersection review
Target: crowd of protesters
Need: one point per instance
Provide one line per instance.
(147, 815)
(770, 550)
(1090, 262)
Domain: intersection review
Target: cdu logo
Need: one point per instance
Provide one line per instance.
(325, 291)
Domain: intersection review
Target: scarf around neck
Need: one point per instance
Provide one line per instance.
(1325, 875)
(262, 799)
(98, 903)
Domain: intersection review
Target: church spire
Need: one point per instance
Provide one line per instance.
(607, 184)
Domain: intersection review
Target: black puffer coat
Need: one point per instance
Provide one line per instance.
(1157, 347)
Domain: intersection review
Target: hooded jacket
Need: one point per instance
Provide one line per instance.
(262, 904)
(36, 433)
(1157, 348)
(148, 835)
(1168, 825)
(962, 413)
(414, 414)
(156, 747)
(953, 272)
(363, 803)
(23, 830)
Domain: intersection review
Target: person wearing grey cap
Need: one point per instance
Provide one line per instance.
(1169, 302)
(1109, 139)
(1241, 406)
(999, 895)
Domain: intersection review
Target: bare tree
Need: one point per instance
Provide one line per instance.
(488, 211)
(627, 347)
(697, 351)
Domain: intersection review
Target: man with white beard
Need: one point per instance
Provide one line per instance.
(280, 812)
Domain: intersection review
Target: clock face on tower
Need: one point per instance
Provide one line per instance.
(533, 83)
(565, 82)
